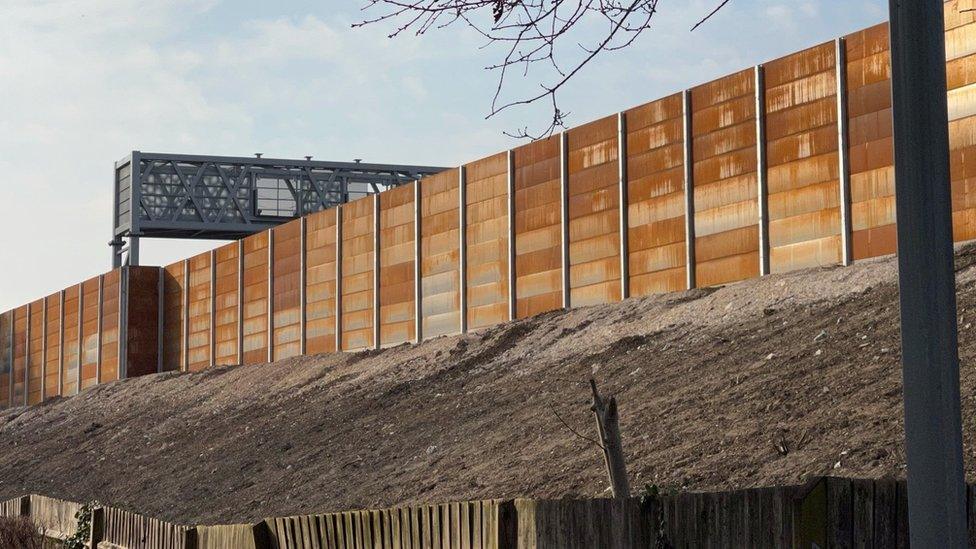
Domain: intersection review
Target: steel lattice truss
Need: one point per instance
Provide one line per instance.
(212, 197)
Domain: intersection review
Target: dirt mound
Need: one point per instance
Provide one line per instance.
(758, 383)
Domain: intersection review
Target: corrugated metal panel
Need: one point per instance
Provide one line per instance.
(110, 326)
(287, 301)
(594, 213)
(961, 85)
(89, 333)
(538, 237)
(440, 254)
(198, 344)
(725, 179)
(6, 321)
(173, 304)
(655, 197)
(142, 330)
(72, 353)
(397, 266)
(357, 274)
(487, 241)
(225, 293)
(870, 142)
(801, 135)
(20, 356)
(52, 355)
(256, 298)
(35, 363)
(320, 281)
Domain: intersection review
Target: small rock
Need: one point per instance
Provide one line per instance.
(818, 353)
(837, 465)
(821, 335)
(770, 356)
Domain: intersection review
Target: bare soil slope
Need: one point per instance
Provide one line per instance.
(710, 384)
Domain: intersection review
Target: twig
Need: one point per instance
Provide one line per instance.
(574, 431)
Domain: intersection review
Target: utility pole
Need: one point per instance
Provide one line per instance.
(930, 360)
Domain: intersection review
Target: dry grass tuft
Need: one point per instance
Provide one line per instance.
(19, 533)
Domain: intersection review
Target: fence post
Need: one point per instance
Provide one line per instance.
(418, 290)
(190, 538)
(213, 308)
(96, 533)
(623, 214)
(338, 280)
(302, 283)
(377, 318)
(240, 301)
(185, 326)
(564, 215)
(25, 506)
(511, 236)
(843, 155)
(270, 300)
(462, 248)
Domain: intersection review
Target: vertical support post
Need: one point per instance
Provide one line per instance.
(512, 293)
(564, 215)
(61, 343)
(122, 343)
(240, 301)
(418, 288)
(160, 317)
(98, 330)
(10, 357)
(338, 280)
(81, 333)
(689, 166)
(133, 249)
(43, 347)
(624, 213)
(843, 153)
(27, 356)
(185, 320)
(115, 242)
(213, 308)
(302, 282)
(270, 320)
(463, 248)
(376, 271)
(761, 175)
(930, 361)
(96, 531)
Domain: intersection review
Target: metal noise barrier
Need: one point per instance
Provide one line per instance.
(733, 179)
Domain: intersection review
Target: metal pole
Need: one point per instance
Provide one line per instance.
(418, 289)
(690, 280)
(240, 302)
(270, 300)
(213, 308)
(338, 280)
(930, 362)
(763, 186)
(512, 294)
(302, 283)
(622, 205)
(564, 216)
(463, 248)
(843, 155)
(377, 335)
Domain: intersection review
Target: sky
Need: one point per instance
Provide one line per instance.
(83, 83)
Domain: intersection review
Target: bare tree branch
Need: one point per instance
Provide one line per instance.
(533, 33)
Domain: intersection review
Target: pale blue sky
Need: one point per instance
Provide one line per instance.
(84, 82)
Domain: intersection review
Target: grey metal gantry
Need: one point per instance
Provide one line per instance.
(225, 198)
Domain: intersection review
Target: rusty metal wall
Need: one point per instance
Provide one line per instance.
(6, 362)
(538, 236)
(357, 275)
(655, 197)
(725, 179)
(803, 174)
(440, 254)
(52, 345)
(72, 347)
(89, 333)
(486, 240)
(111, 288)
(198, 331)
(255, 315)
(870, 143)
(226, 321)
(174, 285)
(397, 283)
(35, 355)
(320, 282)
(961, 85)
(19, 371)
(594, 213)
(287, 302)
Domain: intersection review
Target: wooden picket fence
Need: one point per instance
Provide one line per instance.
(826, 512)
